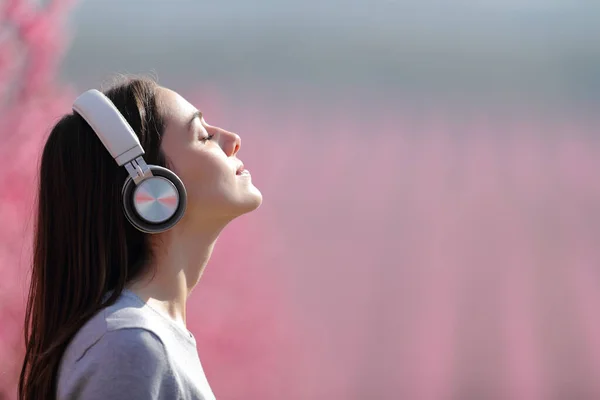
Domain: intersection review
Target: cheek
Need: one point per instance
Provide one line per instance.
(204, 173)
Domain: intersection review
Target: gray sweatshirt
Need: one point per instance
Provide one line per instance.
(130, 351)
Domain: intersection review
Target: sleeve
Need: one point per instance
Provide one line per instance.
(124, 364)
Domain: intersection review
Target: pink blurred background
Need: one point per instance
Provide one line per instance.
(410, 246)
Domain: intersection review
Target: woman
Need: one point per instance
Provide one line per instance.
(106, 312)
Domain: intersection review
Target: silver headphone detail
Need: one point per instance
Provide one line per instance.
(154, 198)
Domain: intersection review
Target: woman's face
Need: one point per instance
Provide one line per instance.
(205, 157)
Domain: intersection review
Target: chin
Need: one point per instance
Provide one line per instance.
(225, 207)
(251, 201)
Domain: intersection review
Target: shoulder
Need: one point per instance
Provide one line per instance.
(123, 322)
(125, 345)
(134, 352)
(125, 363)
(122, 346)
(130, 343)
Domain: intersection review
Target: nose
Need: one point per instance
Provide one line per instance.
(229, 141)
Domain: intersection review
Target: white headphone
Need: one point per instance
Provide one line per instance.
(154, 198)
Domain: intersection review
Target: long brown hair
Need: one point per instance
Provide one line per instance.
(84, 247)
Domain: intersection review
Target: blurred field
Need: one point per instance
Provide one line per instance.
(436, 257)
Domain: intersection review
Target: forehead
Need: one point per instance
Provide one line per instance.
(175, 109)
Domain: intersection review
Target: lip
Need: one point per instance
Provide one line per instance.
(240, 170)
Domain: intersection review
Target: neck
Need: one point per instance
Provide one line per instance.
(180, 256)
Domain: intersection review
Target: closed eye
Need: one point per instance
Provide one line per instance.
(205, 138)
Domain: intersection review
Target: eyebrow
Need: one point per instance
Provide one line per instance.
(197, 114)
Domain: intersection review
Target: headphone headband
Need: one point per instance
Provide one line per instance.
(110, 126)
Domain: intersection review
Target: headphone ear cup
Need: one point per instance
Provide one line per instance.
(134, 216)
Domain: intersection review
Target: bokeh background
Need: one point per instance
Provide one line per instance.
(431, 218)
